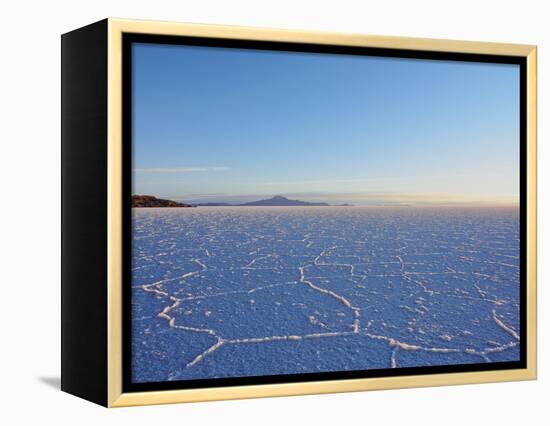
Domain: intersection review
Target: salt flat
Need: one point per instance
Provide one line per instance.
(248, 291)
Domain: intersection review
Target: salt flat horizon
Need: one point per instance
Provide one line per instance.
(457, 207)
(352, 199)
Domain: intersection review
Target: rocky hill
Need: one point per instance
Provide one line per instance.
(150, 201)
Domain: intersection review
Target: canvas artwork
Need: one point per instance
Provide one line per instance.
(308, 214)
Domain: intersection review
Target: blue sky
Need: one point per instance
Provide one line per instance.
(218, 124)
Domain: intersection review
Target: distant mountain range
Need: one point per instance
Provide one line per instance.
(278, 200)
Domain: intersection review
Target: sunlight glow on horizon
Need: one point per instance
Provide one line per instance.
(356, 199)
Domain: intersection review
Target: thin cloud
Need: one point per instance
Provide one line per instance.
(180, 169)
(326, 181)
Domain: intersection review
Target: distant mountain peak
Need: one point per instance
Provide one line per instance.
(279, 200)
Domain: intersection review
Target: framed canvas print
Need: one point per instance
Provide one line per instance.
(254, 212)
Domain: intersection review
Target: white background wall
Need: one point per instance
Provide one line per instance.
(30, 200)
